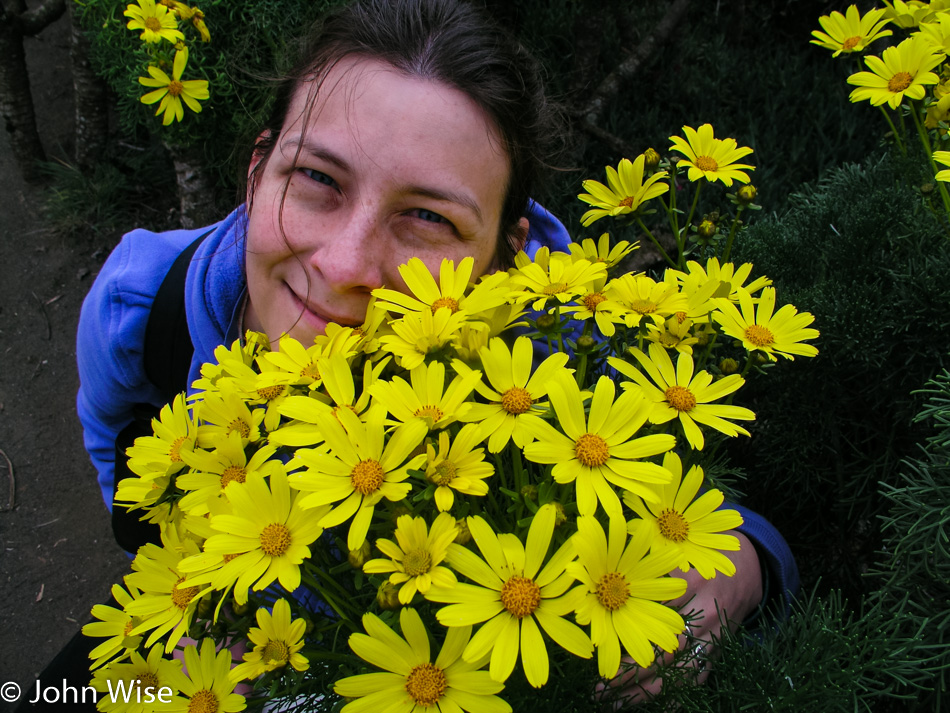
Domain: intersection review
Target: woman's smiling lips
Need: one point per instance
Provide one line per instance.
(319, 320)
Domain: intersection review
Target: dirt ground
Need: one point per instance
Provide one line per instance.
(58, 557)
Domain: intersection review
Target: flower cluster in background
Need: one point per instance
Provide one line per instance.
(163, 25)
(912, 78)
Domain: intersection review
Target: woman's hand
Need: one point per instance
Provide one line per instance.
(706, 604)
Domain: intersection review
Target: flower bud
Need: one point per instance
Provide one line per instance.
(547, 324)
(651, 159)
(530, 492)
(706, 229)
(747, 194)
(586, 344)
(240, 609)
(387, 596)
(927, 189)
(728, 366)
(464, 535)
(398, 512)
(357, 558)
(205, 608)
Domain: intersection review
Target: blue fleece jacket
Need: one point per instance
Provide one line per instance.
(114, 315)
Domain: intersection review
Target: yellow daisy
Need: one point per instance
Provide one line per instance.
(339, 385)
(206, 688)
(690, 526)
(213, 471)
(561, 280)
(175, 430)
(514, 393)
(415, 561)
(277, 640)
(224, 413)
(458, 466)
(646, 300)
(448, 294)
(937, 33)
(599, 449)
(476, 334)
(167, 603)
(115, 625)
(360, 469)
(759, 329)
(912, 13)
(297, 364)
(674, 334)
(173, 91)
(513, 596)
(427, 400)
(681, 394)
(943, 158)
(625, 191)
(727, 280)
(711, 158)
(900, 71)
(410, 681)
(266, 538)
(622, 587)
(419, 335)
(137, 685)
(602, 251)
(850, 32)
(155, 22)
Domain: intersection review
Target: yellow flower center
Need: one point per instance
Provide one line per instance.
(275, 652)
(269, 393)
(426, 684)
(176, 88)
(591, 450)
(668, 339)
(899, 82)
(520, 596)
(128, 628)
(275, 539)
(444, 473)
(153, 24)
(174, 450)
(516, 400)
(445, 302)
(643, 306)
(759, 335)
(241, 426)
(680, 398)
(147, 682)
(554, 288)
(311, 371)
(417, 562)
(706, 163)
(228, 558)
(626, 202)
(673, 526)
(612, 591)
(593, 300)
(432, 414)
(231, 473)
(182, 597)
(850, 43)
(204, 701)
(367, 476)
(680, 317)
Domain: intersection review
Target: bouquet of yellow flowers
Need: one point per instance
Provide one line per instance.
(490, 478)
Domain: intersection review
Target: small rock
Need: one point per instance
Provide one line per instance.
(83, 273)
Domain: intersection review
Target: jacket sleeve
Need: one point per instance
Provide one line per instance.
(109, 344)
(780, 581)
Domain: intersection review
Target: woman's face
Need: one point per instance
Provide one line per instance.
(388, 167)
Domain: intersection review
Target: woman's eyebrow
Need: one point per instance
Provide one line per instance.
(315, 150)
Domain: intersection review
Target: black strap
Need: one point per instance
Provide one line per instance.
(167, 359)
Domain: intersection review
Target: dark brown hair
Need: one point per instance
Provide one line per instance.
(449, 41)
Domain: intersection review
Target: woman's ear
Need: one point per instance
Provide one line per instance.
(520, 236)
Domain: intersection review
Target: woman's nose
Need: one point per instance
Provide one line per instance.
(352, 251)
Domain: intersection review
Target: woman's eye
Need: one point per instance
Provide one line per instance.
(429, 216)
(318, 176)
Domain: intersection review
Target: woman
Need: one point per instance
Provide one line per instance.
(409, 128)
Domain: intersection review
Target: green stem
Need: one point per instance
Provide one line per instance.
(655, 242)
(582, 366)
(680, 239)
(925, 141)
(732, 234)
(560, 335)
(897, 136)
(671, 212)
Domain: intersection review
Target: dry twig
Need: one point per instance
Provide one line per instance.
(11, 478)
